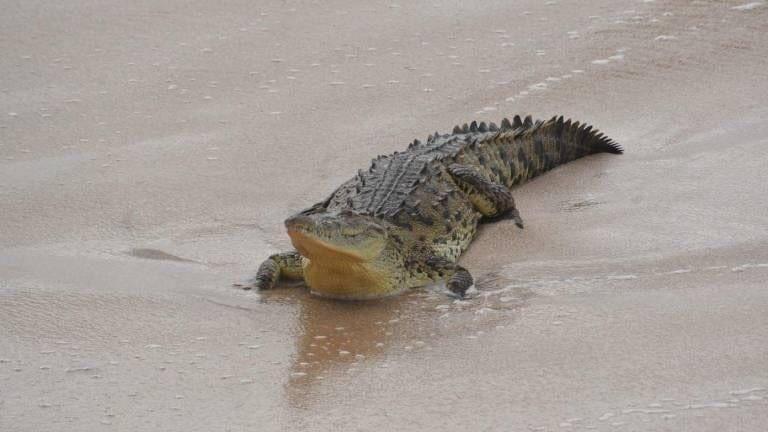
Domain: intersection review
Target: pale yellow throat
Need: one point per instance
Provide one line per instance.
(335, 272)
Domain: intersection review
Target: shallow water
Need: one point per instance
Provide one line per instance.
(149, 153)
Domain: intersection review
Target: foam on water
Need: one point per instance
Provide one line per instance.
(709, 405)
(752, 398)
(748, 6)
(621, 277)
(747, 391)
(644, 411)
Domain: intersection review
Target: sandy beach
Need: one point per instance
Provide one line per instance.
(150, 151)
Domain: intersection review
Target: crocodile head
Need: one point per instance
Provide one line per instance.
(346, 253)
(343, 235)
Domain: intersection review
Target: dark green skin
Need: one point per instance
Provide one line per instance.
(422, 206)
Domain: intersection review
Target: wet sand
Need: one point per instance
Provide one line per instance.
(149, 153)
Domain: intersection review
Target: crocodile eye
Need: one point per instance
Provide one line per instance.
(376, 229)
(349, 232)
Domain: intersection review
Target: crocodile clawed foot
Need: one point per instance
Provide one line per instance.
(262, 281)
(459, 283)
(459, 295)
(515, 216)
(511, 214)
(468, 293)
(245, 285)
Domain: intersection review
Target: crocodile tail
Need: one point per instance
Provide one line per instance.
(566, 136)
(544, 145)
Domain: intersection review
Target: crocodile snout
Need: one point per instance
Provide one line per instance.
(298, 223)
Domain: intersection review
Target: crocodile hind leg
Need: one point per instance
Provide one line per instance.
(492, 200)
(287, 265)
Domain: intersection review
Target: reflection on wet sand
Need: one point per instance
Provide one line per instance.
(336, 337)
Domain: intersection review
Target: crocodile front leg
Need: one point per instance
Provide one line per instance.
(287, 265)
(426, 265)
(458, 279)
(492, 200)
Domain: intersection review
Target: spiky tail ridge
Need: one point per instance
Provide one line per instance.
(544, 145)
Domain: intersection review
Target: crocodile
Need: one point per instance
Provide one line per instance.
(406, 220)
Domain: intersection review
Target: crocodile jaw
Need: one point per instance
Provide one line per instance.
(334, 272)
(347, 281)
